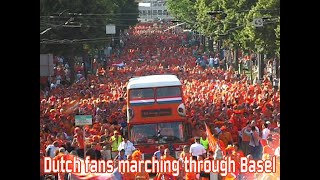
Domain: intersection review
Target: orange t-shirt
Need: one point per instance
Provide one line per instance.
(190, 176)
(129, 176)
(80, 142)
(142, 176)
(268, 150)
(225, 137)
(263, 142)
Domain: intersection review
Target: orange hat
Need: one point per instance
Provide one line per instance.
(230, 176)
(229, 148)
(223, 128)
(136, 155)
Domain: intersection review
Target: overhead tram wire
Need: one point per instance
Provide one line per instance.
(107, 14)
(69, 41)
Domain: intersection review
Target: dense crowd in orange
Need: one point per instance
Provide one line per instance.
(221, 98)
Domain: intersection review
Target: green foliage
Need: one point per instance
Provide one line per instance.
(264, 37)
(182, 10)
(236, 27)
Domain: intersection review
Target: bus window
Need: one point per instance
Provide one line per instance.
(142, 93)
(168, 92)
(147, 133)
(170, 132)
(141, 133)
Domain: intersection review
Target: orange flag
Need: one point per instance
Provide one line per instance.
(213, 144)
(72, 107)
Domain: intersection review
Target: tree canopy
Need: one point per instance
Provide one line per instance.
(233, 21)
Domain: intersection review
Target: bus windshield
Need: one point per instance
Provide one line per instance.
(146, 93)
(168, 92)
(157, 133)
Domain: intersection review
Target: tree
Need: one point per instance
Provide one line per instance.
(126, 15)
(264, 38)
(183, 10)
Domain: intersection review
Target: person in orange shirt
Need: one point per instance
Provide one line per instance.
(236, 155)
(143, 175)
(166, 175)
(269, 148)
(80, 141)
(128, 175)
(136, 155)
(249, 175)
(245, 140)
(190, 175)
(233, 130)
(203, 175)
(225, 136)
(184, 154)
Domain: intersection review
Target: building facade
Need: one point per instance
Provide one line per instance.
(150, 10)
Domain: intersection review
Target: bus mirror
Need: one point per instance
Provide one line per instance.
(130, 114)
(182, 110)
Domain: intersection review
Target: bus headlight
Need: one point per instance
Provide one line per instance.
(181, 110)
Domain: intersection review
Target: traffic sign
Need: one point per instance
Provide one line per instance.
(82, 120)
(110, 29)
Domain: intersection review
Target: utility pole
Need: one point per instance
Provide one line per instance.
(236, 56)
(251, 74)
(151, 4)
(260, 67)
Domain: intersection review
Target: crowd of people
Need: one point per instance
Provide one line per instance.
(219, 96)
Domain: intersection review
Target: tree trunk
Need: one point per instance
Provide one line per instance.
(204, 42)
(72, 63)
(236, 57)
(277, 69)
(210, 45)
(260, 66)
(117, 38)
(86, 62)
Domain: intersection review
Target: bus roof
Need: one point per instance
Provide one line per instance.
(153, 81)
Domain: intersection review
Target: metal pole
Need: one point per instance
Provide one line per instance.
(251, 74)
(151, 8)
(236, 57)
(49, 70)
(84, 143)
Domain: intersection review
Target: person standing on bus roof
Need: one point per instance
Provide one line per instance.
(197, 149)
(115, 141)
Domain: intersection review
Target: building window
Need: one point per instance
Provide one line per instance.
(154, 12)
(149, 12)
(159, 12)
(165, 12)
(140, 12)
(144, 12)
